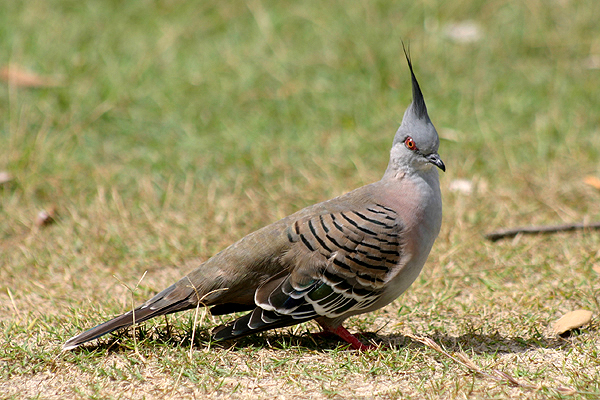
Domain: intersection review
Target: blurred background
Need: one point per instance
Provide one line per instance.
(154, 98)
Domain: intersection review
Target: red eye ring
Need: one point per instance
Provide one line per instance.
(410, 144)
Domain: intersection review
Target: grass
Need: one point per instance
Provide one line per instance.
(179, 127)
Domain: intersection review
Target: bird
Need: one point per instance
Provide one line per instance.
(342, 257)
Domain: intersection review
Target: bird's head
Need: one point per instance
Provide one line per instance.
(416, 142)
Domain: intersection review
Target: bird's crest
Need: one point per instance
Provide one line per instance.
(418, 102)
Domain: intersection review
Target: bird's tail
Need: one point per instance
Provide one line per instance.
(258, 320)
(170, 300)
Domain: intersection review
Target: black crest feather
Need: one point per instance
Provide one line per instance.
(418, 101)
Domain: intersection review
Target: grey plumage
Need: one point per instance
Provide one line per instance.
(346, 256)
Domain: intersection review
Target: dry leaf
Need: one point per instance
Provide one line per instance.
(596, 268)
(17, 76)
(572, 320)
(592, 181)
(45, 217)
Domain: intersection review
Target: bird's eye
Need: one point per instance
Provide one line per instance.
(410, 143)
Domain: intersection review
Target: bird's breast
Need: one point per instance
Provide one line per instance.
(419, 208)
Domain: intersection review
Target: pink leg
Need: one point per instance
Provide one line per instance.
(347, 337)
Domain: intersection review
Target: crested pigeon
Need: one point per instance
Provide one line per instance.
(346, 256)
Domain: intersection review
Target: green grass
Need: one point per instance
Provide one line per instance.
(178, 127)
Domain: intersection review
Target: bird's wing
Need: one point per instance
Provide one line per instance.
(337, 264)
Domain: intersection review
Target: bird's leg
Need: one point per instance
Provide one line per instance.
(346, 336)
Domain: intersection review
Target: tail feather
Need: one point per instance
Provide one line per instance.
(179, 298)
(258, 320)
(161, 304)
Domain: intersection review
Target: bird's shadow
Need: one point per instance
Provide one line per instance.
(481, 343)
(286, 340)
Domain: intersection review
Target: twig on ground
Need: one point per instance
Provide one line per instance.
(511, 232)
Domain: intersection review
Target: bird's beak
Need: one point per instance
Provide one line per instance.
(435, 159)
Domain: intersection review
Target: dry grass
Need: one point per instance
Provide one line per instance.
(178, 128)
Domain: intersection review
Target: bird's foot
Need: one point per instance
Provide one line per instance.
(342, 333)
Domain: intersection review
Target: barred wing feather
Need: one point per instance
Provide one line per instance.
(338, 264)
